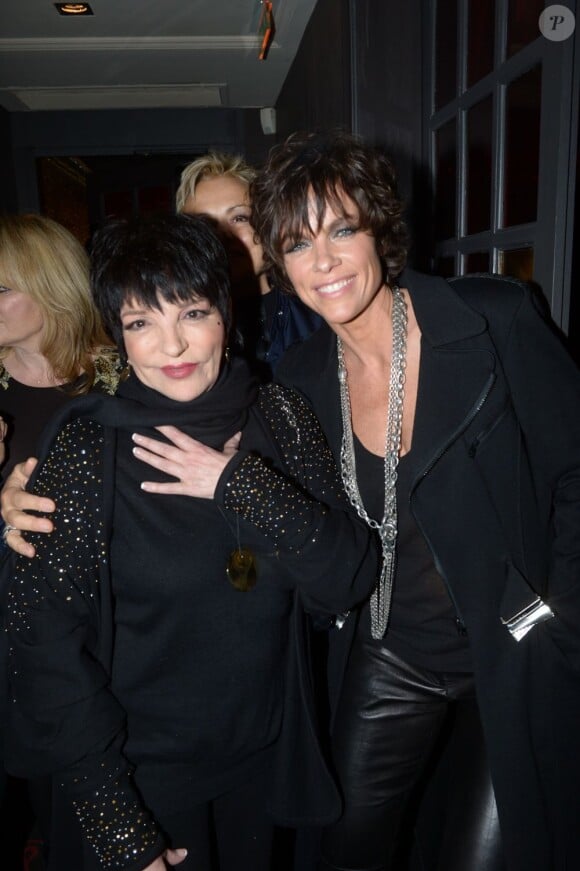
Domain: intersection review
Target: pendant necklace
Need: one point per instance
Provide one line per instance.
(380, 602)
(241, 563)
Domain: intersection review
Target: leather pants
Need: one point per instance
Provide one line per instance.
(388, 731)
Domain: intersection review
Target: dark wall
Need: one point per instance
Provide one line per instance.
(387, 78)
(317, 92)
(387, 68)
(359, 67)
(254, 145)
(165, 131)
(8, 197)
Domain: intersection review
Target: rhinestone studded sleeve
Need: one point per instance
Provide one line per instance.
(114, 822)
(63, 720)
(323, 548)
(290, 508)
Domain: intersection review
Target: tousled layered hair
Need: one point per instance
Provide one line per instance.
(212, 165)
(311, 171)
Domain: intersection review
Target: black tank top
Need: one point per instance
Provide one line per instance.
(423, 628)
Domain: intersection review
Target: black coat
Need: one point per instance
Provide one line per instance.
(65, 717)
(496, 493)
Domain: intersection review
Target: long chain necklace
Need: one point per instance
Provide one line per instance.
(241, 565)
(387, 528)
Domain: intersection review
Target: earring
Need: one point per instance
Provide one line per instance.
(227, 354)
(125, 367)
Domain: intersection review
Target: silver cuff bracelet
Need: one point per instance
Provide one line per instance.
(534, 613)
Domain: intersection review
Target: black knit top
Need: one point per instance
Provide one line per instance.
(423, 625)
(139, 676)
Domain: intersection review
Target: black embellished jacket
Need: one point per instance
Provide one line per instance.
(136, 668)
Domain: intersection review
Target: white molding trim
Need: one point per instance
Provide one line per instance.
(121, 96)
(135, 43)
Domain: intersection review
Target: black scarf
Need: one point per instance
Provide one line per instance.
(211, 418)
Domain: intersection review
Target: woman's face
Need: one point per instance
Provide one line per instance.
(21, 320)
(337, 271)
(226, 200)
(176, 349)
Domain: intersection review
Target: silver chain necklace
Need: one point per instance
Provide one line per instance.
(387, 528)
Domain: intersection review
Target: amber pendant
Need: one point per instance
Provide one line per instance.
(241, 569)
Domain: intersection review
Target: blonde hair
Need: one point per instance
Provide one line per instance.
(40, 258)
(211, 165)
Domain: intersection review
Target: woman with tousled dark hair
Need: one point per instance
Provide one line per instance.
(159, 666)
(332, 165)
(266, 320)
(451, 409)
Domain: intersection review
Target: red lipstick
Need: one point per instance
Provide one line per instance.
(183, 370)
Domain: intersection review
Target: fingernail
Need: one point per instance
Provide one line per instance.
(181, 852)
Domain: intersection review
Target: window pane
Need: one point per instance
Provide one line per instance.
(523, 106)
(517, 262)
(445, 52)
(477, 261)
(481, 41)
(446, 172)
(479, 166)
(523, 23)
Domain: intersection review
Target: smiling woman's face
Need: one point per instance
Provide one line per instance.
(176, 349)
(226, 200)
(336, 271)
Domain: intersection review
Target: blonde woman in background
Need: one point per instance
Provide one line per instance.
(52, 348)
(52, 345)
(267, 321)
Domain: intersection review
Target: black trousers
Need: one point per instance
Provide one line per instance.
(229, 833)
(390, 718)
(232, 832)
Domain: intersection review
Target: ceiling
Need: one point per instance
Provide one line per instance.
(133, 54)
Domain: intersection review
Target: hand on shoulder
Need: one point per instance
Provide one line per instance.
(196, 467)
(16, 503)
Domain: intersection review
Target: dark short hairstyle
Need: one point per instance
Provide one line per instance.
(178, 257)
(326, 166)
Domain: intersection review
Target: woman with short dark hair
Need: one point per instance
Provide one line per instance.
(158, 664)
(451, 408)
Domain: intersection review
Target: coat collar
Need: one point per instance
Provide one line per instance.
(456, 371)
(442, 315)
